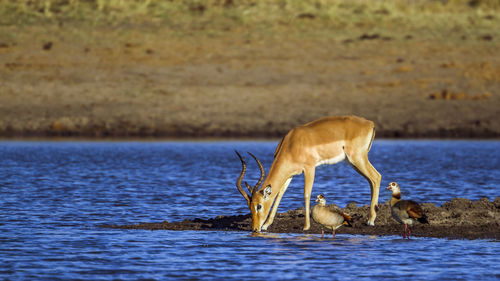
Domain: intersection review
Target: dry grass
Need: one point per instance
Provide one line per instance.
(254, 20)
(214, 15)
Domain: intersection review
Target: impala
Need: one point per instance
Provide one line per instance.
(327, 140)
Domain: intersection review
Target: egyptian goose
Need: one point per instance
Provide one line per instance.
(405, 211)
(328, 217)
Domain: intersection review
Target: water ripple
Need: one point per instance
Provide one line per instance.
(54, 195)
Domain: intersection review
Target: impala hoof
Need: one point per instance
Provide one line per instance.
(306, 227)
(370, 223)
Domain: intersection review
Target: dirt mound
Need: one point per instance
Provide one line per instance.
(458, 219)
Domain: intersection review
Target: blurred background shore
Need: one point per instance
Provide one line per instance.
(228, 68)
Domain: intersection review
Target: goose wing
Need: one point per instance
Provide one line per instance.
(414, 210)
(324, 216)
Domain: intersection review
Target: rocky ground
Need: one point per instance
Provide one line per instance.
(457, 219)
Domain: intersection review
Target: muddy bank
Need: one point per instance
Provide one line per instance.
(457, 219)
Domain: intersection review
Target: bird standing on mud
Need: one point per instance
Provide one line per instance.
(328, 217)
(405, 211)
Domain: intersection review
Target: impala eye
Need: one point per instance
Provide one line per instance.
(259, 207)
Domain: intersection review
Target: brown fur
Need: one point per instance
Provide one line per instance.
(305, 147)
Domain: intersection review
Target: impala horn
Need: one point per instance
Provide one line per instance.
(240, 178)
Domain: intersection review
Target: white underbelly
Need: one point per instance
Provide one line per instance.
(287, 183)
(331, 161)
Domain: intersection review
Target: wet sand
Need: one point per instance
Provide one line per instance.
(457, 219)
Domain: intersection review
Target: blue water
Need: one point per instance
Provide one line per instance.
(54, 195)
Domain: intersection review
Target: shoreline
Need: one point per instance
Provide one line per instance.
(213, 139)
(458, 218)
(234, 133)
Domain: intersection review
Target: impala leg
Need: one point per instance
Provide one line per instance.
(274, 210)
(309, 180)
(364, 167)
(375, 190)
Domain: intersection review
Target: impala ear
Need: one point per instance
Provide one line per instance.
(267, 191)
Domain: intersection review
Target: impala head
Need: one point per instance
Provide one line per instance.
(260, 206)
(259, 201)
(394, 187)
